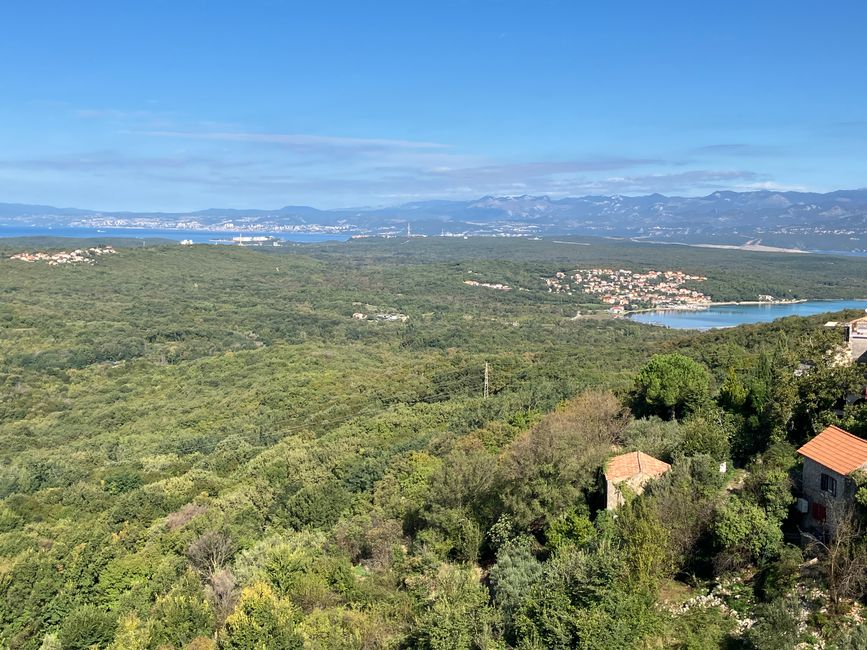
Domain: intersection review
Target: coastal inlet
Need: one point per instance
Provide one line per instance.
(721, 315)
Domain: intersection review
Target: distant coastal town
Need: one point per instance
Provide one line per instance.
(627, 290)
(499, 286)
(77, 256)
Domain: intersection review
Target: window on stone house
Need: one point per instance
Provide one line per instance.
(829, 484)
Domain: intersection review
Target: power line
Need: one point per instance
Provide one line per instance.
(487, 372)
(312, 421)
(256, 439)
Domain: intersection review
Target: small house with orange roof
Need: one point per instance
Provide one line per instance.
(633, 469)
(830, 459)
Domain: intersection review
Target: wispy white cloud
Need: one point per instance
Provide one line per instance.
(107, 161)
(419, 185)
(300, 142)
(774, 187)
(737, 150)
(686, 182)
(546, 168)
(125, 118)
(260, 180)
(112, 114)
(203, 163)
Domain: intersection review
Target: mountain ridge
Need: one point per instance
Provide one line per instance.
(790, 218)
(488, 201)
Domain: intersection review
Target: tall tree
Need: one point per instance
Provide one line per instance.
(671, 386)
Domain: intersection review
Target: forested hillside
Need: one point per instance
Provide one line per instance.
(202, 447)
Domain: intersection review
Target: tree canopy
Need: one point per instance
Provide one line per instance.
(671, 386)
(203, 449)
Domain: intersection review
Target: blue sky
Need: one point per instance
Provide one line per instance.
(191, 104)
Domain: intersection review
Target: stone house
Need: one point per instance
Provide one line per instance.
(633, 469)
(830, 459)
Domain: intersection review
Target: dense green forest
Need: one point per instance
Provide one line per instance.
(731, 274)
(201, 447)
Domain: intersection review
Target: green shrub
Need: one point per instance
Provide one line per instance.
(87, 626)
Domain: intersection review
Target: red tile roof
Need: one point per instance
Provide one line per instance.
(635, 462)
(836, 449)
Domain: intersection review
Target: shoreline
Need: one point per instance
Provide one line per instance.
(708, 305)
(705, 306)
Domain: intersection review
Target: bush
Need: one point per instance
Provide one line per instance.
(514, 574)
(702, 628)
(211, 552)
(777, 627)
(569, 528)
(854, 639)
(460, 536)
(458, 617)
(706, 433)
(87, 626)
(178, 618)
(769, 483)
(132, 634)
(781, 575)
(745, 532)
(317, 506)
(122, 482)
(261, 620)
(654, 436)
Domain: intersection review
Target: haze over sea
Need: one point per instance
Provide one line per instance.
(198, 236)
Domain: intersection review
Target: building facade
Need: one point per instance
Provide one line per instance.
(856, 334)
(830, 460)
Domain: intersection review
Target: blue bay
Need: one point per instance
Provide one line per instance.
(719, 316)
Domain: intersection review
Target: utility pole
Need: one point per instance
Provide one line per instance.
(487, 374)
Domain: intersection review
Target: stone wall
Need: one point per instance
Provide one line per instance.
(858, 347)
(812, 488)
(857, 341)
(613, 495)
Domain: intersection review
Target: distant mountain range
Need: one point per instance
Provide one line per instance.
(803, 220)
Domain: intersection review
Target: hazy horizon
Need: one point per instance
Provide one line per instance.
(102, 209)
